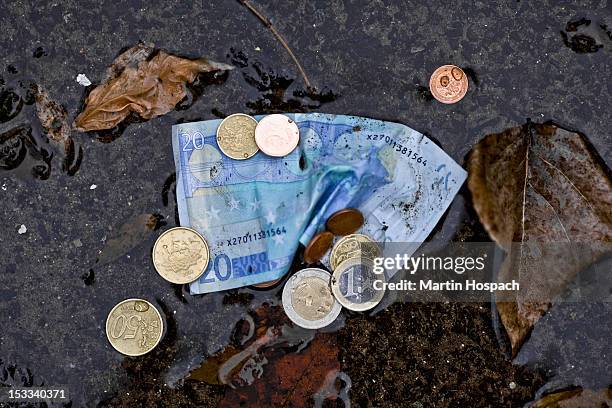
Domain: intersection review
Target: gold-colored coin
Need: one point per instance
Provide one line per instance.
(134, 327)
(353, 246)
(180, 255)
(236, 136)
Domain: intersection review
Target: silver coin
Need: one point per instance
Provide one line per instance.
(353, 284)
(308, 301)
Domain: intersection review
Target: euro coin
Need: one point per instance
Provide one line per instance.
(180, 255)
(448, 84)
(134, 327)
(345, 222)
(318, 246)
(266, 285)
(277, 135)
(353, 246)
(236, 136)
(353, 284)
(308, 300)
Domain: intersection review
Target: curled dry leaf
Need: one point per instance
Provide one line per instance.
(546, 198)
(144, 82)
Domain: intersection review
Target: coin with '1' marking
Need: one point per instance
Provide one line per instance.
(448, 84)
(134, 327)
(353, 284)
(236, 136)
(308, 300)
(180, 255)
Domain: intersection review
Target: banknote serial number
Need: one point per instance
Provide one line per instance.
(399, 148)
(34, 394)
(256, 236)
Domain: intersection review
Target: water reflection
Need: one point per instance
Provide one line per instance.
(19, 146)
(276, 93)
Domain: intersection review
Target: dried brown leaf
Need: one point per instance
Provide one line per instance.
(291, 380)
(265, 370)
(139, 83)
(546, 198)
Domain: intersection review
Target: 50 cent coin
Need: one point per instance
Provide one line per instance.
(134, 327)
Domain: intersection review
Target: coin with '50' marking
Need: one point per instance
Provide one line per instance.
(134, 327)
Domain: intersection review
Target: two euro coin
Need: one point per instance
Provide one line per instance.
(308, 300)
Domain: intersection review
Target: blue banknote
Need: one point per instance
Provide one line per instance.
(254, 213)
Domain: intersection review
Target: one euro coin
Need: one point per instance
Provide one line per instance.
(353, 284)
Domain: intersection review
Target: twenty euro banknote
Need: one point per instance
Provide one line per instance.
(254, 213)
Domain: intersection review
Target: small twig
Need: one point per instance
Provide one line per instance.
(279, 37)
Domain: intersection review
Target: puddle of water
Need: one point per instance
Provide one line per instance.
(225, 334)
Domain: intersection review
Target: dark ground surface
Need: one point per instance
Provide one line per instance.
(376, 57)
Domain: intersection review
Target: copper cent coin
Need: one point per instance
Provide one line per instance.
(265, 285)
(345, 222)
(277, 135)
(318, 246)
(448, 84)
